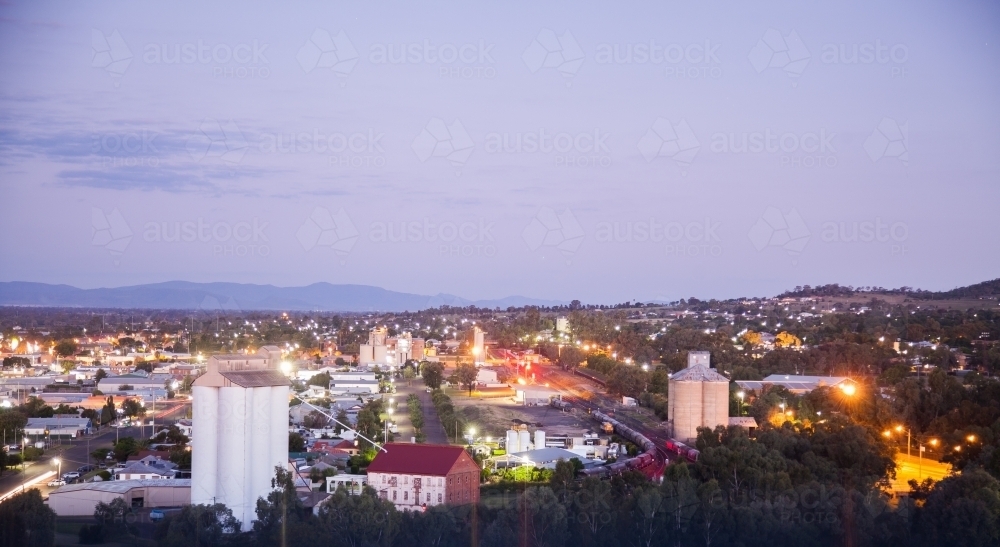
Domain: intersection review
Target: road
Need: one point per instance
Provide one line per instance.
(912, 467)
(76, 452)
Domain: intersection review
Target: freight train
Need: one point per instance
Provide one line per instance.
(643, 462)
(682, 450)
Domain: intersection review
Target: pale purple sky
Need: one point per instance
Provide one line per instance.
(147, 142)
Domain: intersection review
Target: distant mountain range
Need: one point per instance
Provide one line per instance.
(183, 295)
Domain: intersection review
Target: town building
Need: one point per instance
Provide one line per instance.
(80, 499)
(794, 383)
(240, 430)
(59, 426)
(417, 476)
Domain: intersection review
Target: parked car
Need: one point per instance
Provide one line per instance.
(86, 468)
(156, 515)
(57, 482)
(71, 476)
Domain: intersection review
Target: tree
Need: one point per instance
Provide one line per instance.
(65, 348)
(25, 521)
(12, 421)
(432, 373)
(132, 408)
(570, 357)
(322, 380)
(100, 455)
(280, 516)
(752, 338)
(627, 380)
(787, 340)
(198, 526)
(144, 366)
(296, 443)
(125, 447)
(465, 376)
(363, 519)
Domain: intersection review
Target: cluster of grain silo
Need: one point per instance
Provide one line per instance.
(519, 440)
(697, 396)
(240, 433)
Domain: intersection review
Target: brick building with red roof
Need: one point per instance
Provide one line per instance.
(416, 476)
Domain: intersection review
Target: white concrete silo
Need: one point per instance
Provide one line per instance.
(539, 439)
(240, 431)
(524, 440)
(513, 442)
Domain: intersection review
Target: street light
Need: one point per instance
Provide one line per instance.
(741, 394)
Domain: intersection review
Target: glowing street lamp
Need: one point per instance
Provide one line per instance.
(848, 389)
(741, 394)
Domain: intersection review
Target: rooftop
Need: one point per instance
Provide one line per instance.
(698, 373)
(418, 459)
(122, 487)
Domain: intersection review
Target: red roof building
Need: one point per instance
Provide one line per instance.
(417, 476)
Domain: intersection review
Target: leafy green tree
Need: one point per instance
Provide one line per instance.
(366, 519)
(296, 443)
(321, 380)
(25, 521)
(100, 455)
(132, 408)
(432, 373)
(281, 518)
(199, 526)
(963, 510)
(465, 376)
(65, 348)
(125, 447)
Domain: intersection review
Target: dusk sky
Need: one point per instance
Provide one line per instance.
(598, 151)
